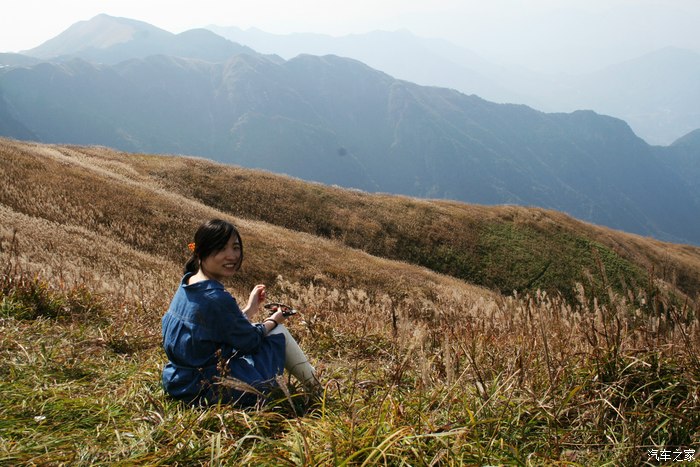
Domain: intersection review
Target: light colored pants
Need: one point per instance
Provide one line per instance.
(295, 360)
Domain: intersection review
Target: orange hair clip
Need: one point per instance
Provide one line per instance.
(191, 246)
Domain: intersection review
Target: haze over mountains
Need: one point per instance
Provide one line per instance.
(129, 85)
(657, 93)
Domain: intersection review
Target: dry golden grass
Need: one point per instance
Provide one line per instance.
(117, 218)
(502, 247)
(410, 380)
(420, 368)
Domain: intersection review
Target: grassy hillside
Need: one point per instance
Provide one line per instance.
(420, 368)
(505, 248)
(111, 203)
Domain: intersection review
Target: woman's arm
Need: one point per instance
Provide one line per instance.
(257, 296)
(273, 321)
(233, 327)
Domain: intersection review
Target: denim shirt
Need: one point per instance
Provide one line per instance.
(203, 329)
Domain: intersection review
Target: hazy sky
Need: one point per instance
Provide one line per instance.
(495, 27)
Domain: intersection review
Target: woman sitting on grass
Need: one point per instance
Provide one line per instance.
(211, 344)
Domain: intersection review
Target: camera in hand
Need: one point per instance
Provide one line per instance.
(286, 309)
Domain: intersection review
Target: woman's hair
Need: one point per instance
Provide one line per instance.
(211, 237)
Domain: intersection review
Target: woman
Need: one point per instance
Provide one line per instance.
(207, 337)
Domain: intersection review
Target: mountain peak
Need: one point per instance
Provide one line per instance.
(100, 32)
(692, 139)
(110, 40)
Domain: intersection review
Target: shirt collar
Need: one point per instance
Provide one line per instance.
(203, 285)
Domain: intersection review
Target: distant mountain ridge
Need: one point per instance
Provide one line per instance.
(656, 93)
(338, 121)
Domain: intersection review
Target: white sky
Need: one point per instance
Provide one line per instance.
(494, 26)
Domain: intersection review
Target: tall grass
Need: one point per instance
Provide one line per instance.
(410, 379)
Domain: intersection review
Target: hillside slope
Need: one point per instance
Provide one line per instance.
(151, 203)
(503, 247)
(415, 365)
(75, 212)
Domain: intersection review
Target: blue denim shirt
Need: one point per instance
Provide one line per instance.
(205, 331)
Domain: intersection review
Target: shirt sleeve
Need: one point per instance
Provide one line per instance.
(232, 327)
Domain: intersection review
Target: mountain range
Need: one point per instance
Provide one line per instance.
(128, 85)
(657, 93)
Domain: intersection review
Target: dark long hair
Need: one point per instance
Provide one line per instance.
(211, 237)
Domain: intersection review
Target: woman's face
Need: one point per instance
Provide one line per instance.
(223, 263)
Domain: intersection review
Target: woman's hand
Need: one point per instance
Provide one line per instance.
(273, 321)
(257, 297)
(278, 316)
